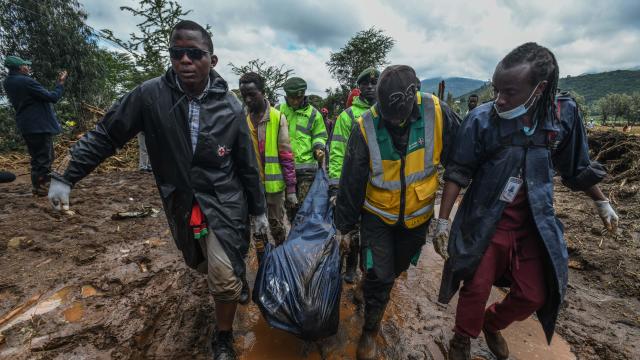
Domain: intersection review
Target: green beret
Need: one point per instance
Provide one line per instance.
(14, 62)
(295, 86)
(368, 74)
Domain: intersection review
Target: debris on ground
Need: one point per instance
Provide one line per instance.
(143, 212)
(89, 287)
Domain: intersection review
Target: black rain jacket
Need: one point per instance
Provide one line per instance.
(222, 175)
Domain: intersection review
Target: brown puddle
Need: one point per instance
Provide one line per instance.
(265, 343)
(63, 296)
(41, 307)
(89, 291)
(74, 313)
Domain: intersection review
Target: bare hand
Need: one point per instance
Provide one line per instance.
(62, 77)
(319, 154)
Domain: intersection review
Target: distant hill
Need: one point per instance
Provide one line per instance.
(595, 86)
(455, 85)
(591, 86)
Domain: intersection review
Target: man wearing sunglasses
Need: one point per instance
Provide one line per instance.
(367, 81)
(204, 163)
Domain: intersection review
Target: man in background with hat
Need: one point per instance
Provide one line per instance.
(308, 137)
(35, 117)
(388, 186)
(367, 81)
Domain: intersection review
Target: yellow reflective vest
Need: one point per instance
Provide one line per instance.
(272, 172)
(403, 186)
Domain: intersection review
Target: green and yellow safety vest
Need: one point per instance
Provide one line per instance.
(272, 172)
(404, 186)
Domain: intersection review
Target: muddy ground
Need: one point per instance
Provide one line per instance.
(84, 286)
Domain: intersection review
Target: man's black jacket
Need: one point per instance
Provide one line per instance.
(222, 175)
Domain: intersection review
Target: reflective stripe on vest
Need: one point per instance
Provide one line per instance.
(307, 130)
(350, 113)
(427, 111)
(384, 191)
(273, 179)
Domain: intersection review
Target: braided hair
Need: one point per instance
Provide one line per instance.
(543, 67)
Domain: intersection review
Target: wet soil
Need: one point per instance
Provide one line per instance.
(85, 286)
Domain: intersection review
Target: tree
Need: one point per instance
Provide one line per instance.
(366, 48)
(604, 107)
(120, 76)
(54, 35)
(580, 101)
(634, 108)
(149, 47)
(274, 76)
(449, 98)
(335, 101)
(616, 105)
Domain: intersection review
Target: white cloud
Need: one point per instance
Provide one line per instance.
(450, 38)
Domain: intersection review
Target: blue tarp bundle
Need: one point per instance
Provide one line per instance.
(298, 284)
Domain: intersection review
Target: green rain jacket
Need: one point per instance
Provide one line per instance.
(341, 132)
(306, 132)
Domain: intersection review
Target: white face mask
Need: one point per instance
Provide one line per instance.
(518, 110)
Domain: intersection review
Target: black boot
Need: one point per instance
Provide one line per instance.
(223, 346)
(496, 343)
(460, 347)
(351, 266)
(367, 347)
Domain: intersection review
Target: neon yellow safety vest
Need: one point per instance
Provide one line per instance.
(272, 179)
(404, 186)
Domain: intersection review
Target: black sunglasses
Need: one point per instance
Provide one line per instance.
(177, 53)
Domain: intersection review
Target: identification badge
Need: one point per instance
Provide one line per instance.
(511, 189)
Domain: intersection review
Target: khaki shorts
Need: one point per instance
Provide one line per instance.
(223, 282)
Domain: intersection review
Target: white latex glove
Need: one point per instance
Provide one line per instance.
(332, 200)
(441, 237)
(59, 194)
(260, 224)
(292, 199)
(607, 214)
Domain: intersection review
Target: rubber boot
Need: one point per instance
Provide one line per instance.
(460, 347)
(40, 189)
(367, 347)
(223, 346)
(351, 266)
(496, 343)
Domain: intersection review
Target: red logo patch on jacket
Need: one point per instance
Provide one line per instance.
(223, 150)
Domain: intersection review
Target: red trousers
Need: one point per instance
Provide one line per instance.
(516, 255)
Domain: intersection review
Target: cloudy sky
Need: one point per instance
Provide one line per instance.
(438, 38)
